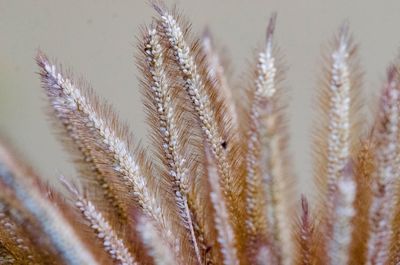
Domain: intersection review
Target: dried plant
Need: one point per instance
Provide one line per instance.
(215, 185)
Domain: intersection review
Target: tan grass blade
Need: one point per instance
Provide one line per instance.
(386, 174)
(79, 110)
(338, 100)
(260, 97)
(339, 127)
(91, 156)
(194, 85)
(170, 138)
(20, 188)
(266, 158)
(112, 244)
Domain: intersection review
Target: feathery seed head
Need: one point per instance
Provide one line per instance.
(217, 187)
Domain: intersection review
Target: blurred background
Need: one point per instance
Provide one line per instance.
(97, 39)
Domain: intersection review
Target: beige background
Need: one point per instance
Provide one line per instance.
(97, 38)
